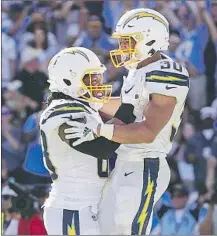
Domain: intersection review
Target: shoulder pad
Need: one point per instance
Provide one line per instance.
(168, 78)
(169, 72)
(61, 109)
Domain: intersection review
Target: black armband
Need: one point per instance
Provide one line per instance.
(125, 113)
(100, 148)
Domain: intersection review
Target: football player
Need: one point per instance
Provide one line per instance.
(76, 85)
(156, 87)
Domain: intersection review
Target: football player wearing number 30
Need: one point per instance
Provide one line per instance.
(155, 90)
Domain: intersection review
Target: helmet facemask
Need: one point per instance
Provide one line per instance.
(92, 89)
(127, 52)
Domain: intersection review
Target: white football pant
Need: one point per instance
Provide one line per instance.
(70, 222)
(130, 194)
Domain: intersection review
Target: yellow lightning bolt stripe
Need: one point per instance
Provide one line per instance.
(146, 14)
(70, 109)
(159, 77)
(144, 213)
(71, 229)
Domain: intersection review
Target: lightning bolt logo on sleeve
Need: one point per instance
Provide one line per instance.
(143, 215)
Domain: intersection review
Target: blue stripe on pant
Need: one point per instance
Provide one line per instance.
(71, 224)
(150, 175)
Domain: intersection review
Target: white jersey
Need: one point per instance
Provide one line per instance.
(78, 178)
(168, 78)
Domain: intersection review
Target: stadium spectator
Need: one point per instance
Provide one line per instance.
(68, 20)
(95, 38)
(41, 47)
(34, 82)
(112, 76)
(180, 217)
(112, 10)
(209, 225)
(174, 43)
(36, 222)
(12, 146)
(15, 19)
(36, 225)
(9, 55)
(13, 224)
(33, 30)
(201, 148)
(10, 214)
(34, 158)
(211, 21)
(181, 171)
(4, 173)
(16, 101)
(39, 39)
(194, 38)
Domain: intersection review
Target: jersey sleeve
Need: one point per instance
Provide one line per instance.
(168, 82)
(61, 111)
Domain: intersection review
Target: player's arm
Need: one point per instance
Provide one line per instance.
(158, 113)
(100, 147)
(160, 110)
(167, 88)
(111, 107)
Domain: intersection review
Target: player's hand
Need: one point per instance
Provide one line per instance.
(132, 88)
(83, 131)
(132, 93)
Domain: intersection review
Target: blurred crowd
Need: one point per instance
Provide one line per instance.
(33, 31)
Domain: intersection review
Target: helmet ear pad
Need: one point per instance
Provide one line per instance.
(142, 50)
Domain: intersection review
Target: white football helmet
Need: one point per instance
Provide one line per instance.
(146, 30)
(66, 72)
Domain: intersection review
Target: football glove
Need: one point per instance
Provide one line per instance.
(132, 92)
(83, 131)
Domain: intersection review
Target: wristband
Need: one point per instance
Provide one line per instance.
(107, 131)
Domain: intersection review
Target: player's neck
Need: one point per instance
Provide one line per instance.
(149, 60)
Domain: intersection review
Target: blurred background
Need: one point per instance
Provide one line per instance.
(32, 32)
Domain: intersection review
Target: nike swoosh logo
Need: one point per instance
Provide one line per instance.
(130, 26)
(127, 91)
(126, 174)
(168, 87)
